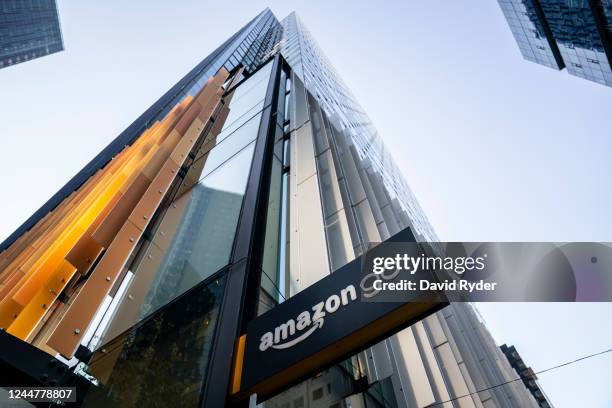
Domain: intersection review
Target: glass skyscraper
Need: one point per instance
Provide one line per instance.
(28, 29)
(251, 179)
(576, 34)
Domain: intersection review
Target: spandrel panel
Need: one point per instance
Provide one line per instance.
(339, 242)
(298, 103)
(390, 219)
(350, 167)
(320, 134)
(383, 231)
(400, 213)
(352, 223)
(330, 191)
(378, 187)
(366, 223)
(374, 205)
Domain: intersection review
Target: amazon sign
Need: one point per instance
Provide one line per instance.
(306, 322)
(319, 327)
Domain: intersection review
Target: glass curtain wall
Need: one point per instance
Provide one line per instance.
(158, 327)
(312, 230)
(339, 191)
(580, 41)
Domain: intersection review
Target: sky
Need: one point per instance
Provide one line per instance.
(495, 148)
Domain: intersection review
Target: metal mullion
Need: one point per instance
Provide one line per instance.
(239, 303)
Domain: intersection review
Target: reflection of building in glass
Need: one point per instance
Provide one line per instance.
(254, 177)
(28, 30)
(531, 32)
(576, 34)
(335, 387)
(196, 251)
(152, 356)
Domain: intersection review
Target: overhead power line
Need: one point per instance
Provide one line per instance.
(524, 377)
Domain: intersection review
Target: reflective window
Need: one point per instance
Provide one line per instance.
(249, 93)
(194, 234)
(193, 241)
(208, 160)
(28, 30)
(272, 242)
(162, 362)
(234, 122)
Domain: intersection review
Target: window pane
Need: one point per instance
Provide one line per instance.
(193, 241)
(231, 124)
(270, 261)
(147, 365)
(249, 94)
(208, 160)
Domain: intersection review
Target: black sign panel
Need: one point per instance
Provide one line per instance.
(320, 326)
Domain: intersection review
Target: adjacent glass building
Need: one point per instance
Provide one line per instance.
(528, 376)
(28, 29)
(576, 34)
(255, 176)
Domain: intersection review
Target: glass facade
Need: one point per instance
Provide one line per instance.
(560, 33)
(155, 223)
(355, 131)
(195, 230)
(530, 32)
(579, 38)
(28, 30)
(162, 361)
(254, 177)
(245, 46)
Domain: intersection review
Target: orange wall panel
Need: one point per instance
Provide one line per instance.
(67, 335)
(110, 210)
(40, 303)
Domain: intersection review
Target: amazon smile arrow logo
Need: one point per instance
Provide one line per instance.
(307, 322)
(317, 324)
